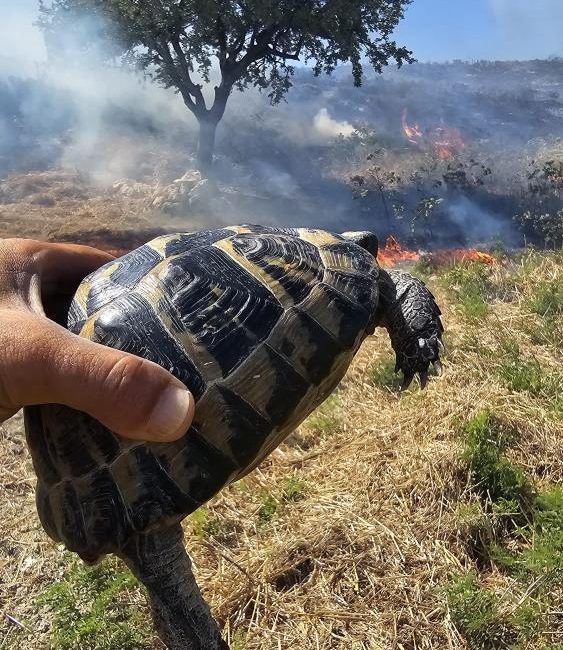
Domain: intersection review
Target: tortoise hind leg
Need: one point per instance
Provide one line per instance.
(181, 616)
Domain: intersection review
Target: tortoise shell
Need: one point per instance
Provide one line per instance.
(259, 323)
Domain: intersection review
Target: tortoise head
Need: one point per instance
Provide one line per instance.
(365, 239)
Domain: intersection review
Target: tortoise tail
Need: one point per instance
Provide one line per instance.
(181, 616)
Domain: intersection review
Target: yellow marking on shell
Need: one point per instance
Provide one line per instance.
(323, 240)
(81, 295)
(159, 244)
(83, 291)
(198, 353)
(238, 230)
(336, 261)
(318, 238)
(149, 288)
(275, 287)
(88, 328)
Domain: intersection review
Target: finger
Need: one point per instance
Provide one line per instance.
(63, 266)
(131, 396)
(6, 414)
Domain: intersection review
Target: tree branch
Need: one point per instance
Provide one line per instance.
(171, 69)
(193, 88)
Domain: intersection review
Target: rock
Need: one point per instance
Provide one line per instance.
(189, 180)
(190, 193)
(132, 188)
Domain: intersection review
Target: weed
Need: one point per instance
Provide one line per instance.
(424, 268)
(89, 611)
(531, 548)
(268, 509)
(529, 376)
(238, 641)
(547, 300)
(326, 418)
(544, 556)
(293, 489)
(549, 331)
(384, 375)
(493, 476)
(475, 612)
(470, 287)
(208, 526)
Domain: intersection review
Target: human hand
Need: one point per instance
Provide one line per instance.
(41, 362)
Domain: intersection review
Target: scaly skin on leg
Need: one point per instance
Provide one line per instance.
(181, 616)
(412, 318)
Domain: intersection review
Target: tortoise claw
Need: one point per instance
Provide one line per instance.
(407, 381)
(423, 377)
(438, 367)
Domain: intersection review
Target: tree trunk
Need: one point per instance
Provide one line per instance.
(206, 144)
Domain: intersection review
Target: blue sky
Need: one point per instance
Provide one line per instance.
(436, 30)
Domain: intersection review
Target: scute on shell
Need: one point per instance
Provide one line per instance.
(260, 323)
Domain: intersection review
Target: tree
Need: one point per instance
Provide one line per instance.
(252, 42)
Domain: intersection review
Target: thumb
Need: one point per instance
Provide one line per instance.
(131, 396)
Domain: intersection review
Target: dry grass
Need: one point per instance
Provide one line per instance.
(63, 205)
(348, 534)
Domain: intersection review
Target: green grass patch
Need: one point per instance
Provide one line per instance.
(547, 300)
(208, 526)
(541, 550)
(470, 287)
(293, 489)
(475, 612)
(326, 418)
(383, 375)
(489, 622)
(530, 549)
(92, 611)
(268, 509)
(500, 483)
(528, 376)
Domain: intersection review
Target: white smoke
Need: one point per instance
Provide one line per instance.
(329, 128)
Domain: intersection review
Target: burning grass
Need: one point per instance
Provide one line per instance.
(427, 520)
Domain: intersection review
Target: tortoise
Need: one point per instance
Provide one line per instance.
(261, 325)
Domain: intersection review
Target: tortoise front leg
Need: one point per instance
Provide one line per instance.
(410, 314)
(181, 616)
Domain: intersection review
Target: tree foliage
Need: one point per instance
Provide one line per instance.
(253, 42)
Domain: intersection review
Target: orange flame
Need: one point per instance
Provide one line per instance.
(413, 133)
(445, 142)
(393, 253)
(462, 255)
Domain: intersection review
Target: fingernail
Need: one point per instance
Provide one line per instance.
(172, 415)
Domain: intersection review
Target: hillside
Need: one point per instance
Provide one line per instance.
(484, 163)
(428, 520)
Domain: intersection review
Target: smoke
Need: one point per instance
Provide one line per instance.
(477, 224)
(328, 128)
(21, 43)
(289, 164)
